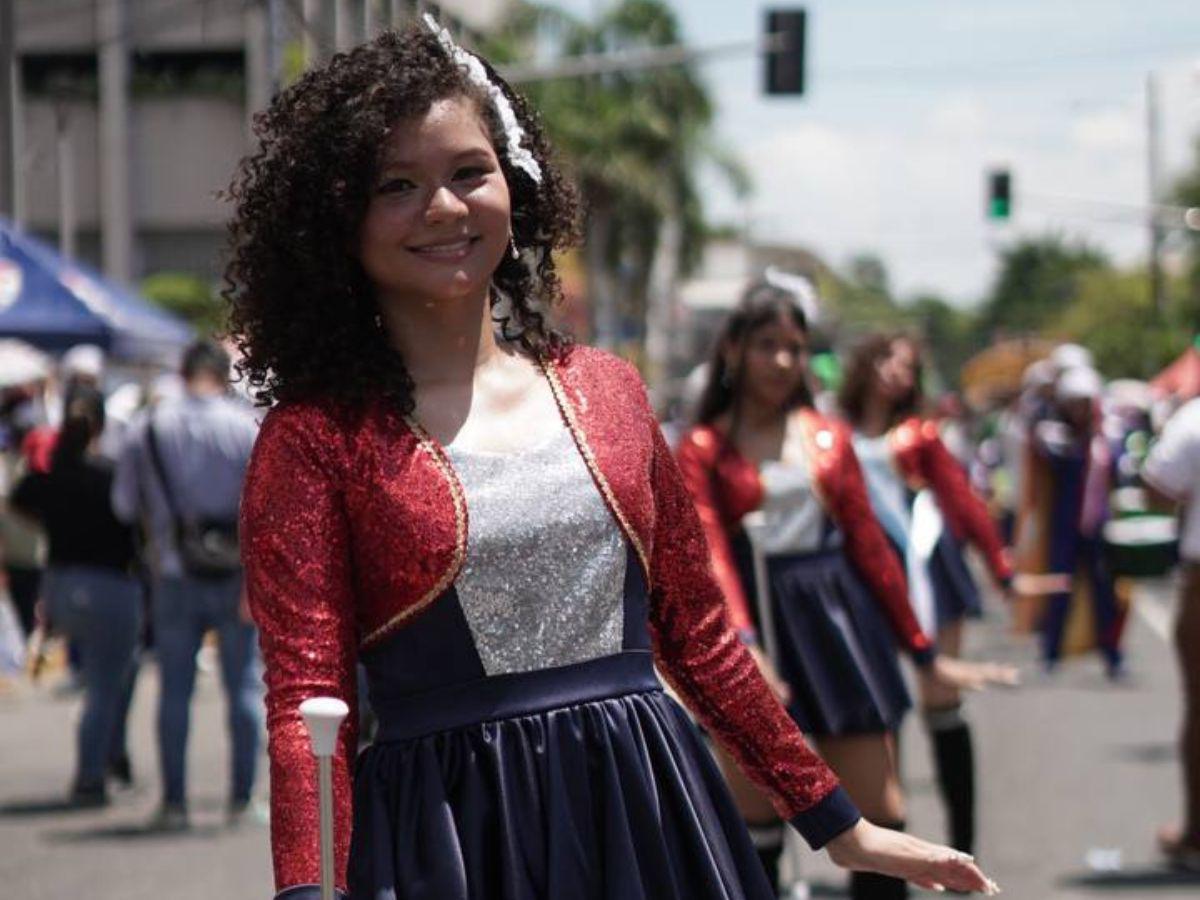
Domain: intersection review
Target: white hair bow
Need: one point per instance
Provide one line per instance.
(518, 154)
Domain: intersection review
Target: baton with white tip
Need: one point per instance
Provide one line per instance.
(323, 716)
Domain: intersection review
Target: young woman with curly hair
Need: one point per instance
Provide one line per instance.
(488, 519)
(806, 572)
(902, 456)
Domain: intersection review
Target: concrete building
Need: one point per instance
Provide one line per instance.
(132, 114)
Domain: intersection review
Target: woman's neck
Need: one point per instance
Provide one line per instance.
(877, 416)
(442, 342)
(754, 417)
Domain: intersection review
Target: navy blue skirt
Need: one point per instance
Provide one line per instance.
(833, 646)
(955, 593)
(584, 782)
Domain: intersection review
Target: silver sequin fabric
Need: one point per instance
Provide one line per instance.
(793, 518)
(543, 581)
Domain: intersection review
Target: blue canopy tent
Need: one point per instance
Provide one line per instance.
(54, 303)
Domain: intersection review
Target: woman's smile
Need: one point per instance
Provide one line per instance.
(453, 250)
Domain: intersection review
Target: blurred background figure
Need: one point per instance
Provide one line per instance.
(1076, 604)
(1173, 471)
(181, 471)
(808, 575)
(920, 493)
(92, 595)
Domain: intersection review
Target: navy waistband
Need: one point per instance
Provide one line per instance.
(517, 694)
(823, 554)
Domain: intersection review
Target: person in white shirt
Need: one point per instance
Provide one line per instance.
(1173, 471)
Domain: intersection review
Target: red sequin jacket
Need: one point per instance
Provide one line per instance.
(354, 523)
(923, 460)
(726, 486)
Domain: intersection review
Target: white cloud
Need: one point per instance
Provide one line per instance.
(1121, 129)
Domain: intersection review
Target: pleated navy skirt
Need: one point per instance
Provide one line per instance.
(583, 781)
(955, 593)
(833, 645)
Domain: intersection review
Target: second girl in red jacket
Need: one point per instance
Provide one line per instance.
(834, 602)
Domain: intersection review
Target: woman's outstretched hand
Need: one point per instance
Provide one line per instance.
(869, 848)
(958, 674)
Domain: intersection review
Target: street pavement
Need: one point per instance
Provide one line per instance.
(1075, 776)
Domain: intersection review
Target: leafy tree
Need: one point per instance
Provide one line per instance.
(1038, 279)
(951, 334)
(1187, 193)
(191, 298)
(1113, 315)
(635, 142)
(860, 297)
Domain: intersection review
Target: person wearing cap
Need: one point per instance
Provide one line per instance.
(1172, 470)
(1078, 607)
(1071, 356)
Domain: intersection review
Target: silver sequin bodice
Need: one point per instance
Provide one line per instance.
(544, 576)
(793, 520)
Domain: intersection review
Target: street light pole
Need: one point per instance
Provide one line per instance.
(1153, 139)
(8, 110)
(65, 158)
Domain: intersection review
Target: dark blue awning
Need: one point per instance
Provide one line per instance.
(54, 303)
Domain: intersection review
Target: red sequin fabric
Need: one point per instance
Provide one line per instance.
(725, 486)
(924, 460)
(354, 522)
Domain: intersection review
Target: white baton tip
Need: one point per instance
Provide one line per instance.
(323, 715)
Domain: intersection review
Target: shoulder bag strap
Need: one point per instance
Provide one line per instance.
(161, 470)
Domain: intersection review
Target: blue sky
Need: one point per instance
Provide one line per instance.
(911, 101)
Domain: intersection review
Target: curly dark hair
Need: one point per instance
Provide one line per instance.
(302, 310)
(860, 378)
(761, 304)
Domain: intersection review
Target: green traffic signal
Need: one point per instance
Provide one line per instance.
(999, 205)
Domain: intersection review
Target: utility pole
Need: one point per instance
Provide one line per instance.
(274, 46)
(65, 159)
(258, 71)
(343, 25)
(8, 110)
(370, 21)
(317, 42)
(1153, 140)
(116, 224)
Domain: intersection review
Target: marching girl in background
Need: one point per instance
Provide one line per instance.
(1064, 569)
(490, 520)
(921, 496)
(836, 592)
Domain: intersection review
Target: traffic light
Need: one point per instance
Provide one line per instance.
(999, 205)
(785, 65)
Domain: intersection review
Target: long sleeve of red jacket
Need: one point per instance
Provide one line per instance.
(964, 510)
(845, 493)
(295, 546)
(700, 654)
(696, 462)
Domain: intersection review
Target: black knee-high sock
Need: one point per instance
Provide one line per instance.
(768, 844)
(954, 758)
(870, 886)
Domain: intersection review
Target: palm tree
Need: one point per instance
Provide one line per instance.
(635, 142)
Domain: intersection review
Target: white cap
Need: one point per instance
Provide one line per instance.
(83, 359)
(1071, 356)
(1038, 374)
(1079, 383)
